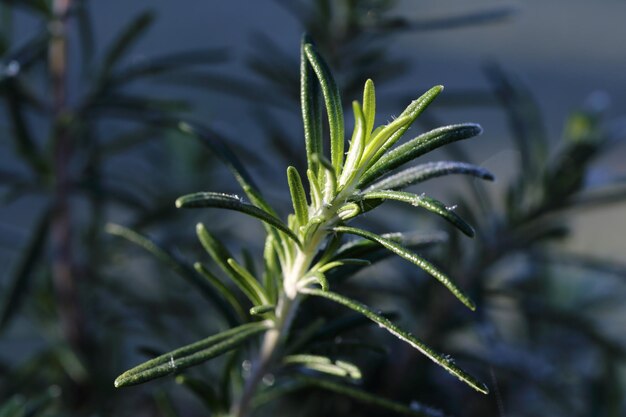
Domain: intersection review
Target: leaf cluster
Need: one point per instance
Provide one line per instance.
(341, 184)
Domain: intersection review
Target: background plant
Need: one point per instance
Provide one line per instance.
(68, 158)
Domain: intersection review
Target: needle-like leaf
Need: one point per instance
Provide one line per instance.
(298, 197)
(30, 258)
(414, 258)
(412, 111)
(125, 40)
(221, 256)
(230, 202)
(223, 289)
(430, 204)
(357, 144)
(324, 364)
(176, 264)
(333, 105)
(417, 147)
(190, 355)
(360, 248)
(262, 309)
(251, 282)
(369, 107)
(311, 108)
(423, 172)
(442, 360)
(25, 142)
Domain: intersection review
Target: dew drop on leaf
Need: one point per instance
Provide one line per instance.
(269, 380)
(415, 406)
(12, 69)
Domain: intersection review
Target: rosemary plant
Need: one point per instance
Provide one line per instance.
(71, 111)
(300, 252)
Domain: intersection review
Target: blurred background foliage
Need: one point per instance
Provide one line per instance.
(90, 135)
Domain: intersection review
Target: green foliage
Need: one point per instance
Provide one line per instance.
(71, 127)
(299, 253)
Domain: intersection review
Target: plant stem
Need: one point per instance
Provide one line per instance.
(287, 305)
(268, 353)
(285, 311)
(64, 270)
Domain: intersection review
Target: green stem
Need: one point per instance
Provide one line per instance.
(268, 354)
(288, 302)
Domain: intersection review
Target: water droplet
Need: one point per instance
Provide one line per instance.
(54, 391)
(415, 406)
(451, 208)
(172, 363)
(269, 380)
(12, 69)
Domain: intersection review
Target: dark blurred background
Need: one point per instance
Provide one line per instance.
(544, 67)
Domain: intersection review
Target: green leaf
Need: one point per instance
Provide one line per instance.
(86, 34)
(30, 258)
(382, 136)
(298, 197)
(369, 107)
(333, 105)
(419, 146)
(190, 355)
(311, 108)
(414, 258)
(314, 189)
(525, 120)
(423, 172)
(357, 144)
(324, 364)
(251, 282)
(412, 111)
(25, 142)
(423, 201)
(348, 211)
(177, 265)
(360, 248)
(327, 177)
(224, 260)
(442, 360)
(218, 146)
(315, 277)
(129, 35)
(226, 292)
(342, 262)
(271, 273)
(367, 398)
(230, 202)
(263, 309)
